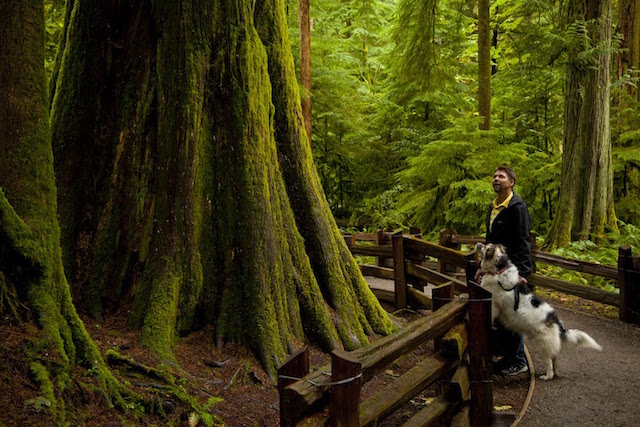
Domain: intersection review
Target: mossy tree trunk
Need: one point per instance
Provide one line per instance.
(484, 64)
(305, 63)
(628, 55)
(627, 101)
(186, 182)
(31, 259)
(585, 205)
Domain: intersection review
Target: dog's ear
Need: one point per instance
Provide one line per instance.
(503, 250)
(480, 247)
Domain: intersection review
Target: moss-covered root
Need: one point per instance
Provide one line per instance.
(170, 385)
(19, 248)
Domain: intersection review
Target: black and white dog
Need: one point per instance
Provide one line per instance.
(519, 310)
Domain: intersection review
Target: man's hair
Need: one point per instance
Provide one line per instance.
(506, 169)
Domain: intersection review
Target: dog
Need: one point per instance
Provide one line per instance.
(515, 306)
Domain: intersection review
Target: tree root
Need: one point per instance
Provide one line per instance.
(167, 391)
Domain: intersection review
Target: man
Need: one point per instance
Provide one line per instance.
(508, 223)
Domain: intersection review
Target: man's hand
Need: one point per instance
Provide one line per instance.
(478, 276)
(522, 280)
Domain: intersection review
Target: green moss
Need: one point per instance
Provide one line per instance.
(41, 377)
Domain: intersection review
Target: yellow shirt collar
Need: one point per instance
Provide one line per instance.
(503, 204)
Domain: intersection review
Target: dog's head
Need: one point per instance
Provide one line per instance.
(493, 257)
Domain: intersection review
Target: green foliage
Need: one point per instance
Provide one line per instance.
(54, 22)
(604, 252)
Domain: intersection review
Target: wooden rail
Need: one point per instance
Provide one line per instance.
(331, 394)
(415, 270)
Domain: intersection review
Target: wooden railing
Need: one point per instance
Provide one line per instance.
(625, 276)
(412, 263)
(331, 394)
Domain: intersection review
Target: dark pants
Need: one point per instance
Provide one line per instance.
(512, 345)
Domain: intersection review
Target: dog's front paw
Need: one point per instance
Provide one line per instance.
(547, 376)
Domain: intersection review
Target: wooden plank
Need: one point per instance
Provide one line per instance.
(344, 402)
(480, 370)
(399, 264)
(365, 237)
(372, 250)
(404, 388)
(418, 298)
(455, 341)
(430, 414)
(461, 419)
(384, 295)
(425, 248)
(296, 366)
(303, 396)
(602, 270)
(435, 277)
(586, 292)
(375, 271)
(460, 387)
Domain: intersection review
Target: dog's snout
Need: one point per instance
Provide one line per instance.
(490, 250)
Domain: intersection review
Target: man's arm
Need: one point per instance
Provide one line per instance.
(521, 255)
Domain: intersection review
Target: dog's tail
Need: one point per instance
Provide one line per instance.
(574, 339)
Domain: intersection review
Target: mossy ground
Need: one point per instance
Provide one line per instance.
(249, 397)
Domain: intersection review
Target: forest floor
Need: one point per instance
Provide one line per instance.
(204, 370)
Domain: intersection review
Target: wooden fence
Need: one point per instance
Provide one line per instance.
(625, 276)
(461, 365)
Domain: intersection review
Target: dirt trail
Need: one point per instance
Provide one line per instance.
(593, 388)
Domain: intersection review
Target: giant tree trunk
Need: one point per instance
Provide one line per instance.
(627, 100)
(585, 204)
(484, 64)
(187, 181)
(628, 55)
(30, 255)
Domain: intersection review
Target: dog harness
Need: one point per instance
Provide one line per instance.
(516, 289)
(516, 294)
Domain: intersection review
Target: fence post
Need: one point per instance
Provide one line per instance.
(296, 366)
(350, 240)
(445, 240)
(344, 401)
(399, 269)
(629, 279)
(480, 372)
(379, 242)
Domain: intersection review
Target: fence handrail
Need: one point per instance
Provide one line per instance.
(594, 268)
(625, 276)
(311, 390)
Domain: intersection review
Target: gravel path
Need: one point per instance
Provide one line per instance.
(593, 388)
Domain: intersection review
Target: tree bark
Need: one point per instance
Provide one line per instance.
(305, 63)
(31, 253)
(628, 63)
(585, 204)
(628, 55)
(188, 183)
(484, 64)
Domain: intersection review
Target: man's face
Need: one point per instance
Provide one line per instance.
(501, 181)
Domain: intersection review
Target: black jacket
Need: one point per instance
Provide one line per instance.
(511, 228)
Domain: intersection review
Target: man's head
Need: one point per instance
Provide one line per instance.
(503, 180)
